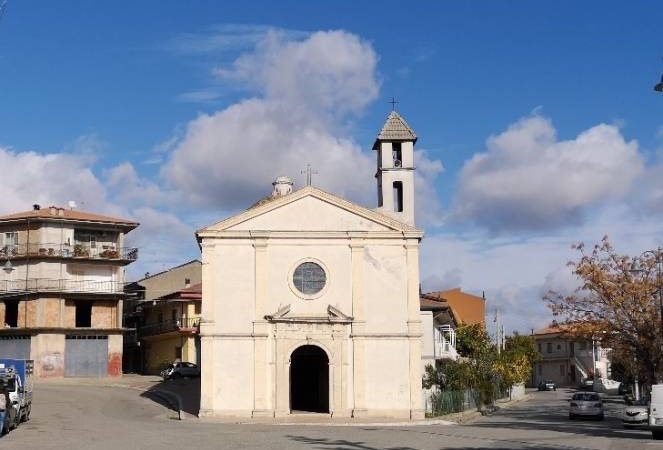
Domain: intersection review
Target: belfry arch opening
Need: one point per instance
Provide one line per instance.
(309, 379)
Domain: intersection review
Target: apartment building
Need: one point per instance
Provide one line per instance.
(61, 290)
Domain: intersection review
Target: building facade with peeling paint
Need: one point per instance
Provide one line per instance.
(61, 290)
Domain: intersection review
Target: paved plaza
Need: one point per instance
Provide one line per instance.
(102, 416)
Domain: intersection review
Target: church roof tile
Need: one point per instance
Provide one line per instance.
(395, 129)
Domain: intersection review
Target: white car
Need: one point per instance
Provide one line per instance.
(586, 404)
(656, 412)
(636, 415)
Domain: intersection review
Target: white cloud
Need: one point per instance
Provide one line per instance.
(208, 95)
(223, 38)
(56, 178)
(428, 209)
(516, 272)
(529, 180)
(332, 72)
(306, 92)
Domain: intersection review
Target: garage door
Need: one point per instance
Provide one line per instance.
(85, 356)
(17, 347)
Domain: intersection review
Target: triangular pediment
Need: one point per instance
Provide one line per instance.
(309, 209)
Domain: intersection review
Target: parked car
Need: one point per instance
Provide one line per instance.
(586, 385)
(637, 414)
(180, 370)
(7, 410)
(586, 404)
(547, 385)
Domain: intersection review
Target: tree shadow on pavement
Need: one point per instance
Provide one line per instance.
(340, 444)
(170, 393)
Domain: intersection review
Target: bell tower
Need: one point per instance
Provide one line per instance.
(395, 175)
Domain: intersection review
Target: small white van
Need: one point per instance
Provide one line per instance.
(656, 411)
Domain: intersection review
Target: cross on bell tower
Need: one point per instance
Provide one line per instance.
(395, 172)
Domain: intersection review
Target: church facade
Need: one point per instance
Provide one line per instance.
(312, 302)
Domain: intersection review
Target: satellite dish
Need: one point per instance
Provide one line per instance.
(72, 204)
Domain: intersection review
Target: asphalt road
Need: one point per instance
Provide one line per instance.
(66, 416)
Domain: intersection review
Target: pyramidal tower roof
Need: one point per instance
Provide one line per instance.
(395, 129)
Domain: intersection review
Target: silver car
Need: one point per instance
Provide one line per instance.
(586, 404)
(636, 415)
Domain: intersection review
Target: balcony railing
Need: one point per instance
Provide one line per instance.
(445, 350)
(168, 326)
(79, 250)
(50, 285)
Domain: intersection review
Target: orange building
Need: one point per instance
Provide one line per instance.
(467, 309)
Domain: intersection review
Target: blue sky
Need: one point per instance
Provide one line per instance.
(119, 95)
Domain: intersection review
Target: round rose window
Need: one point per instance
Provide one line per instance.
(309, 278)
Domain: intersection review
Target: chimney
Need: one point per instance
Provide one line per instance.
(36, 207)
(61, 212)
(52, 210)
(282, 186)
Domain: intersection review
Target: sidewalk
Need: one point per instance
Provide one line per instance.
(470, 416)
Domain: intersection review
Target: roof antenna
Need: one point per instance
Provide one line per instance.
(71, 204)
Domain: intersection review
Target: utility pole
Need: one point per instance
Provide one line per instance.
(499, 331)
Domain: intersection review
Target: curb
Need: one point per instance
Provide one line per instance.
(349, 423)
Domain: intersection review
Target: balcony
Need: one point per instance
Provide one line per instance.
(31, 285)
(168, 326)
(444, 350)
(76, 251)
(445, 343)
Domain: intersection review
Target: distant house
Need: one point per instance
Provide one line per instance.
(151, 296)
(567, 360)
(441, 313)
(438, 325)
(171, 328)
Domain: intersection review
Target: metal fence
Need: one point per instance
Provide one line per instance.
(446, 402)
(168, 326)
(54, 285)
(78, 250)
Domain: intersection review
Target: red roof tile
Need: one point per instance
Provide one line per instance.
(55, 213)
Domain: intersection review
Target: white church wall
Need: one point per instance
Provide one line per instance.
(233, 373)
(333, 256)
(386, 286)
(387, 376)
(234, 279)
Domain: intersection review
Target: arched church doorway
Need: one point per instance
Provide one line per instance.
(309, 379)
